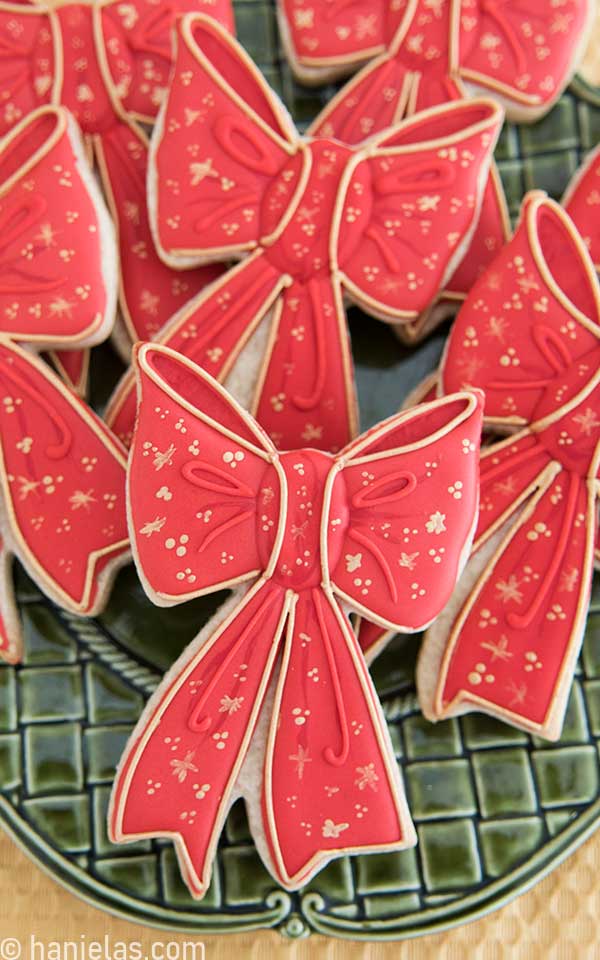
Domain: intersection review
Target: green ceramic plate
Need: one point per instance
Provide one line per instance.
(494, 808)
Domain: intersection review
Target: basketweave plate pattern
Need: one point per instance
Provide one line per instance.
(495, 809)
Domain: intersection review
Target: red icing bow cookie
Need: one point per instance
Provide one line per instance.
(316, 221)
(109, 63)
(62, 506)
(425, 52)
(276, 703)
(530, 334)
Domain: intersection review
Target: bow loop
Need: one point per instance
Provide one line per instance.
(245, 138)
(58, 264)
(412, 489)
(538, 304)
(424, 180)
(196, 482)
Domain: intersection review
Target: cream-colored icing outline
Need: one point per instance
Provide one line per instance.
(180, 258)
(127, 116)
(405, 824)
(347, 362)
(266, 452)
(150, 720)
(344, 92)
(318, 70)
(550, 726)
(373, 150)
(14, 539)
(592, 158)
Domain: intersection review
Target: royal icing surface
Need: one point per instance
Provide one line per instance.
(381, 225)
(582, 203)
(214, 504)
(63, 487)
(529, 333)
(109, 64)
(56, 240)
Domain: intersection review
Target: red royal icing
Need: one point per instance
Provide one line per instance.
(63, 488)
(109, 64)
(380, 224)
(529, 333)
(582, 203)
(56, 241)
(214, 504)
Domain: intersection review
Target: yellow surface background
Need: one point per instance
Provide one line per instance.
(559, 919)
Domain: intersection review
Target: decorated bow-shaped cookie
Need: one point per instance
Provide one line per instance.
(109, 63)
(213, 504)
(424, 52)
(315, 220)
(62, 508)
(529, 332)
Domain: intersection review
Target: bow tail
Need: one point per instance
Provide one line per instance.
(212, 329)
(177, 774)
(73, 366)
(306, 394)
(150, 291)
(331, 782)
(512, 647)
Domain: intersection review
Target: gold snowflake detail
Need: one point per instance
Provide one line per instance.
(181, 768)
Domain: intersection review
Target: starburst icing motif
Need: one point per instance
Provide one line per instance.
(322, 722)
(315, 222)
(124, 54)
(530, 573)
